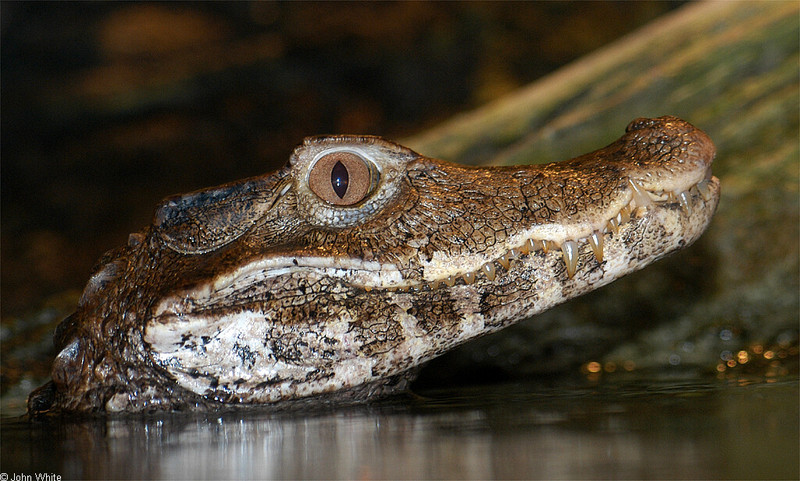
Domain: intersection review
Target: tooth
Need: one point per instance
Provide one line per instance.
(469, 278)
(596, 241)
(488, 269)
(450, 281)
(514, 253)
(525, 248)
(683, 198)
(436, 285)
(624, 215)
(570, 251)
(548, 245)
(505, 260)
(702, 187)
(536, 245)
(613, 224)
(640, 195)
(695, 191)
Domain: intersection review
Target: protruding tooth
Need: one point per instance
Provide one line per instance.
(702, 187)
(513, 253)
(596, 241)
(525, 248)
(613, 225)
(570, 251)
(488, 269)
(624, 215)
(505, 260)
(683, 198)
(469, 278)
(640, 195)
(450, 281)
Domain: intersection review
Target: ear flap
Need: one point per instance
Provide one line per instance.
(207, 220)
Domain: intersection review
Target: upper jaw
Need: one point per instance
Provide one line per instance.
(662, 164)
(699, 200)
(675, 174)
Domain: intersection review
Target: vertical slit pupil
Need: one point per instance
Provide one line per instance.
(339, 179)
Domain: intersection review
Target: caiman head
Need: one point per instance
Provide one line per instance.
(358, 261)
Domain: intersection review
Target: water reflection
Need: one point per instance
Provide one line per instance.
(673, 430)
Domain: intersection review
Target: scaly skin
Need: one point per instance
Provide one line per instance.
(298, 287)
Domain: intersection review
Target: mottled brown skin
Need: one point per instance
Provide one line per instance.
(346, 301)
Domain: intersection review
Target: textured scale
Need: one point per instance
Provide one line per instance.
(337, 276)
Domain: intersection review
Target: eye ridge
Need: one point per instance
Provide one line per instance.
(339, 179)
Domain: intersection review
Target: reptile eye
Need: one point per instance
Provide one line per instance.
(342, 178)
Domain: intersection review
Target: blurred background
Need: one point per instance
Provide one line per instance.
(109, 107)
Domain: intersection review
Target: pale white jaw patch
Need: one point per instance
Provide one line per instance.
(240, 356)
(203, 352)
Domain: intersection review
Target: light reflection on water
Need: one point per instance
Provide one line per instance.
(635, 430)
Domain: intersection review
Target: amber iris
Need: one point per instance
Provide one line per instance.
(341, 178)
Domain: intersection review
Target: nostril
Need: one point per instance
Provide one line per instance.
(668, 122)
(638, 124)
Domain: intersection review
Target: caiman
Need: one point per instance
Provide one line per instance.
(335, 277)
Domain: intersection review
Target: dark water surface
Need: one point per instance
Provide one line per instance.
(668, 428)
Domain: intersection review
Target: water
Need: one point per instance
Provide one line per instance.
(665, 428)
